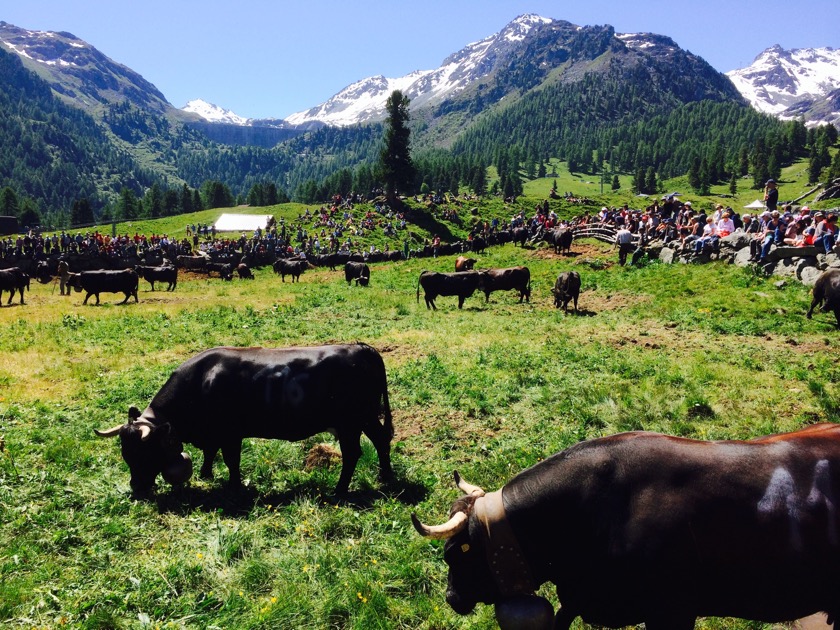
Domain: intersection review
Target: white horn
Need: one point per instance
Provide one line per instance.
(112, 432)
(438, 532)
(467, 488)
(146, 429)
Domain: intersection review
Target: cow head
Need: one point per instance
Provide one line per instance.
(74, 282)
(150, 449)
(470, 579)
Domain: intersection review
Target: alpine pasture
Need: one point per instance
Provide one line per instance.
(706, 351)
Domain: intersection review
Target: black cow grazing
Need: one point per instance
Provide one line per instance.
(357, 271)
(223, 395)
(566, 289)
(463, 284)
(463, 263)
(11, 280)
(518, 278)
(165, 273)
(294, 268)
(646, 528)
(244, 271)
(225, 270)
(826, 292)
(105, 281)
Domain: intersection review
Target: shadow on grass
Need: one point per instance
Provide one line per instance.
(241, 501)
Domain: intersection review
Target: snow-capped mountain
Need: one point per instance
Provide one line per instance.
(214, 113)
(79, 73)
(792, 83)
(365, 100)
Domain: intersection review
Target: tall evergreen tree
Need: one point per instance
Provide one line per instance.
(9, 206)
(81, 213)
(128, 204)
(395, 164)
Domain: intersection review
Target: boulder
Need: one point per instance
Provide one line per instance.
(667, 255)
(735, 241)
(804, 263)
(742, 258)
(786, 251)
(808, 276)
(785, 268)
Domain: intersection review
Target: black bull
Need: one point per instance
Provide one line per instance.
(462, 283)
(160, 274)
(645, 528)
(105, 281)
(11, 280)
(826, 292)
(566, 289)
(223, 395)
(357, 271)
(516, 278)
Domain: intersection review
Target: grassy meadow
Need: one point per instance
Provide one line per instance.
(709, 351)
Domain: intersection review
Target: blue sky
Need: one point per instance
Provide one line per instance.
(263, 58)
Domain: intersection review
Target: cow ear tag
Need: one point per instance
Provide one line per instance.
(465, 548)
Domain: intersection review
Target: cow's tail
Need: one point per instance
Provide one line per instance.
(386, 408)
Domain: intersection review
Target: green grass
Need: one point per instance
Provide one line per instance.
(522, 382)
(708, 351)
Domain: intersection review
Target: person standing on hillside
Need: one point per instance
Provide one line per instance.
(624, 240)
(771, 195)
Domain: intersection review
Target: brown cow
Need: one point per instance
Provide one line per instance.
(462, 263)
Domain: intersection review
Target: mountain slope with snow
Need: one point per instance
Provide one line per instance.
(214, 113)
(792, 83)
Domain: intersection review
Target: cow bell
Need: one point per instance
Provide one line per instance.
(525, 612)
(178, 471)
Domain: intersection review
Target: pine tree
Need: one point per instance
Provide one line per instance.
(616, 184)
(81, 213)
(128, 204)
(650, 181)
(9, 206)
(814, 167)
(733, 185)
(395, 165)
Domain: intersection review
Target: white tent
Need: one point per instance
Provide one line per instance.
(241, 222)
(755, 205)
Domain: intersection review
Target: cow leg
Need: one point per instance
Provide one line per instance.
(461, 299)
(232, 454)
(207, 464)
(382, 441)
(351, 451)
(814, 303)
(86, 298)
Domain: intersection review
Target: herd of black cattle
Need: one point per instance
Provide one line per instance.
(633, 528)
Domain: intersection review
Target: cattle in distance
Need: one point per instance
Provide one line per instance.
(646, 528)
(826, 293)
(463, 284)
(566, 289)
(511, 278)
(284, 267)
(13, 279)
(163, 273)
(105, 281)
(223, 395)
(357, 271)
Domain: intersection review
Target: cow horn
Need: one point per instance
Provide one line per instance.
(146, 429)
(467, 488)
(112, 432)
(447, 530)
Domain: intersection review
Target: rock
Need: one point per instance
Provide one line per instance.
(808, 276)
(735, 241)
(781, 284)
(785, 267)
(804, 263)
(786, 251)
(742, 257)
(667, 255)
